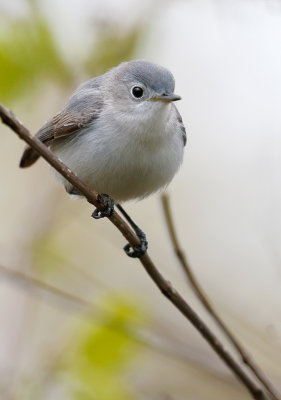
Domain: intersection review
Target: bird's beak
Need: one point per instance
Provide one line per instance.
(166, 97)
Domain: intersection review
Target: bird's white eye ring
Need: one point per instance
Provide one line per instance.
(137, 92)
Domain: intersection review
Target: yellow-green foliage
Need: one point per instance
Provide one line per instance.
(48, 254)
(28, 53)
(96, 360)
(100, 355)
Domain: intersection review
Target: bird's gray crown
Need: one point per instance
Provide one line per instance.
(151, 75)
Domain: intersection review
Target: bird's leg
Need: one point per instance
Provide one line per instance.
(109, 207)
(137, 251)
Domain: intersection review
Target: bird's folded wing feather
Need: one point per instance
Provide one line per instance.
(76, 115)
(65, 123)
(182, 127)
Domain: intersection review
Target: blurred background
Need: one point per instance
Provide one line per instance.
(79, 319)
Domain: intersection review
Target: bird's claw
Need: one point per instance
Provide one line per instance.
(137, 251)
(131, 251)
(109, 207)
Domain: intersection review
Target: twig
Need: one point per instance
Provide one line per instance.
(207, 304)
(85, 308)
(30, 283)
(165, 287)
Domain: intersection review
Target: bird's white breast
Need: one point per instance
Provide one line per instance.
(129, 155)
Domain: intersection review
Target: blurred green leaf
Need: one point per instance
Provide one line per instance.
(28, 53)
(102, 353)
(48, 255)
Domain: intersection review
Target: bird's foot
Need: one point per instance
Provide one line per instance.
(109, 207)
(137, 251)
(134, 251)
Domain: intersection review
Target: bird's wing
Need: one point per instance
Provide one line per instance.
(78, 112)
(182, 127)
(65, 123)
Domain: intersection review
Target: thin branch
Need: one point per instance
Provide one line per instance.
(84, 308)
(245, 357)
(30, 284)
(164, 286)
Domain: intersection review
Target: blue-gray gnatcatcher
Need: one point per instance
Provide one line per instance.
(119, 132)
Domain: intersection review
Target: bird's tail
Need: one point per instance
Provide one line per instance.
(29, 157)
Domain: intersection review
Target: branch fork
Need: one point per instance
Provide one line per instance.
(164, 286)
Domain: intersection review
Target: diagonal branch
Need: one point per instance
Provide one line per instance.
(164, 286)
(34, 286)
(246, 358)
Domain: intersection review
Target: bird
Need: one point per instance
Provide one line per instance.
(121, 133)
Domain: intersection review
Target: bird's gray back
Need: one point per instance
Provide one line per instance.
(84, 106)
(87, 96)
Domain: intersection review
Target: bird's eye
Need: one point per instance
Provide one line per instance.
(137, 92)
